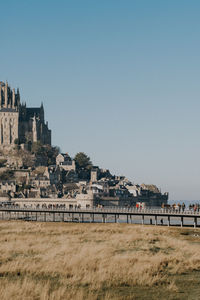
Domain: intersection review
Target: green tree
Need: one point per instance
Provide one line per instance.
(7, 175)
(46, 153)
(3, 162)
(83, 165)
(82, 161)
(16, 141)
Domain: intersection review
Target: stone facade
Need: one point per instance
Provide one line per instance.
(7, 186)
(19, 123)
(94, 175)
(64, 161)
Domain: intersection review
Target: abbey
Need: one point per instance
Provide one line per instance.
(18, 123)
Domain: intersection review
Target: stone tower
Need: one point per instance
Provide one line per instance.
(94, 175)
(9, 115)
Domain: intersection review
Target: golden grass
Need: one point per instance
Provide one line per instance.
(92, 261)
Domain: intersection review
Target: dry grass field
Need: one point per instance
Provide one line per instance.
(98, 261)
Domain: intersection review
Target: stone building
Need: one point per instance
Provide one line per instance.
(7, 186)
(19, 123)
(94, 174)
(64, 161)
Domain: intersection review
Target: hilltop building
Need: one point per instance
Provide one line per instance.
(64, 161)
(19, 123)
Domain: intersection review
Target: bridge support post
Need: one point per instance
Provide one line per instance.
(155, 220)
(91, 218)
(115, 218)
(131, 219)
(181, 221)
(127, 219)
(103, 218)
(82, 217)
(142, 219)
(168, 223)
(195, 222)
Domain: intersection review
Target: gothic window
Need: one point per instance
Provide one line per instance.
(1, 133)
(10, 134)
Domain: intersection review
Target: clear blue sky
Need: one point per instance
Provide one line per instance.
(119, 81)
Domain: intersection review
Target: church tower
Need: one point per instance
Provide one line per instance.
(9, 116)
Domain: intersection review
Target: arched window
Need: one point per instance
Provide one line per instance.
(10, 134)
(1, 133)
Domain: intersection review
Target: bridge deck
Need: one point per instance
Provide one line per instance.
(122, 211)
(153, 216)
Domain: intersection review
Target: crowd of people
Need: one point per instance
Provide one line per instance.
(182, 207)
(194, 207)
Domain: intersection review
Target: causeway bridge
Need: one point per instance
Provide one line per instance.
(165, 217)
